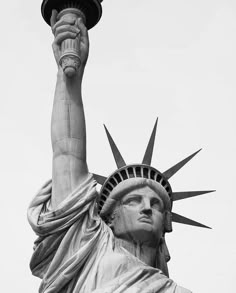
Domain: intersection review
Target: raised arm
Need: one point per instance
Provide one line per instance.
(68, 131)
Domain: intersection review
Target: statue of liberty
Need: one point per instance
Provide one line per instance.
(107, 242)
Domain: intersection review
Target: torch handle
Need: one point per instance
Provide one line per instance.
(70, 48)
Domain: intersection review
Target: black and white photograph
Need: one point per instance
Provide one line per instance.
(118, 146)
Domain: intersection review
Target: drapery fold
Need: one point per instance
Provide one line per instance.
(67, 235)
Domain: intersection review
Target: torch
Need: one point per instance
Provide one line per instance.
(89, 11)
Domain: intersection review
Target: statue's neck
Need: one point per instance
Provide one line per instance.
(142, 251)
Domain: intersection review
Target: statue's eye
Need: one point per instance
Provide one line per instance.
(132, 200)
(157, 204)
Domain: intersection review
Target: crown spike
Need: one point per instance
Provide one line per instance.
(99, 178)
(149, 150)
(116, 153)
(170, 172)
(188, 194)
(182, 220)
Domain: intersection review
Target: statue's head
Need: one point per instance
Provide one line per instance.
(136, 200)
(138, 210)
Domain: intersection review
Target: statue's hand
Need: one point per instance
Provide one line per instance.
(69, 29)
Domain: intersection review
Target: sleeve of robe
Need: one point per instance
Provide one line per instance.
(66, 236)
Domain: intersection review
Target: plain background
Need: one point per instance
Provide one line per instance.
(172, 59)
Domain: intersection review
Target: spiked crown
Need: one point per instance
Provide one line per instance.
(145, 170)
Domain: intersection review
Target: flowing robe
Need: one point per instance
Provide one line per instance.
(75, 250)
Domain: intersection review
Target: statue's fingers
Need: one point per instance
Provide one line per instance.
(66, 28)
(64, 36)
(83, 29)
(53, 18)
(62, 22)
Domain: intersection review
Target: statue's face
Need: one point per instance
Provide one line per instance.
(139, 216)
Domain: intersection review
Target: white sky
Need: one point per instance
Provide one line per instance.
(173, 59)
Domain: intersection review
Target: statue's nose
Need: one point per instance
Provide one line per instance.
(146, 207)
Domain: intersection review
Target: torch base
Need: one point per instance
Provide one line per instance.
(70, 63)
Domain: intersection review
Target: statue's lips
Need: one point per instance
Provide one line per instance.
(145, 219)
